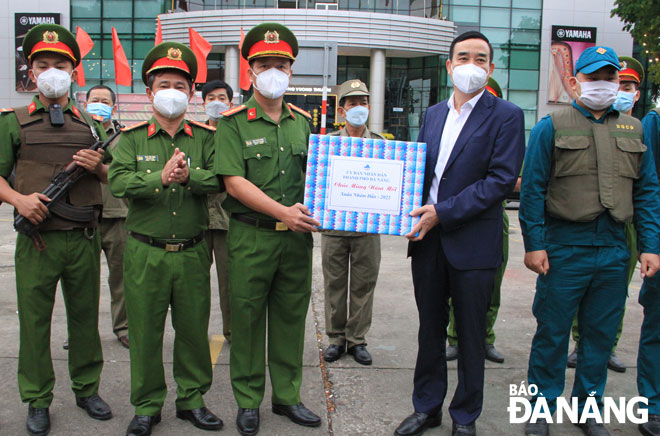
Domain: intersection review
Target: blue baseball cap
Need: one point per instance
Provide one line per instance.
(595, 58)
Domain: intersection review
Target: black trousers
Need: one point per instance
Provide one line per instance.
(435, 281)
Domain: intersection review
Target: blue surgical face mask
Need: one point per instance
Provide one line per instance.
(100, 109)
(624, 101)
(357, 116)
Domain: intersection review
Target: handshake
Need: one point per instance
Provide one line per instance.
(176, 170)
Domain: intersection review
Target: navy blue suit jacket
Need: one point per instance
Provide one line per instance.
(482, 169)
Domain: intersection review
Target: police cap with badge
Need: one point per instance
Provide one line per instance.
(51, 38)
(351, 88)
(170, 55)
(494, 88)
(631, 70)
(269, 40)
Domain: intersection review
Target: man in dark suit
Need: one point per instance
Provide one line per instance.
(476, 144)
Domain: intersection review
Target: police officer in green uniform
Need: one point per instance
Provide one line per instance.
(586, 173)
(217, 96)
(630, 78)
(263, 145)
(39, 140)
(102, 101)
(163, 167)
(350, 255)
(492, 353)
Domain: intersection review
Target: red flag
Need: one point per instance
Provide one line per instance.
(243, 77)
(159, 32)
(123, 75)
(86, 44)
(201, 47)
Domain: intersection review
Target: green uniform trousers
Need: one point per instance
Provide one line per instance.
(269, 288)
(354, 258)
(74, 260)
(156, 280)
(494, 308)
(216, 240)
(631, 242)
(113, 237)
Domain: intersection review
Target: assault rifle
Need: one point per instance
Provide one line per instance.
(56, 191)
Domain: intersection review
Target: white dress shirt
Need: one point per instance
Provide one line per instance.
(453, 126)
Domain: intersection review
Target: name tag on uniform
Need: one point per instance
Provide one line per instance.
(147, 158)
(257, 141)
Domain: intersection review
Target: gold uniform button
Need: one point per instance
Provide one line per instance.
(283, 195)
(197, 168)
(173, 236)
(258, 155)
(172, 144)
(281, 148)
(156, 189)
(174, 213)
(173, 189)
(148, 171)
(282, 171)
(188, 188)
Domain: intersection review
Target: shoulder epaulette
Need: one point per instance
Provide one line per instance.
(97, 117)
(297, 109)
(140, 124)
(5, 110)
(233, 111)
(205, 126)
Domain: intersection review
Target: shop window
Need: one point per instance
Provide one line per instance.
(524, 79)
(525, 19)
(464, 14)
(525, 59)
(496, 17)
(117, 8)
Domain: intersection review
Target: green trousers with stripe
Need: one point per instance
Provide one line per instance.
(154, 281)
(269, 291)
(73, 259)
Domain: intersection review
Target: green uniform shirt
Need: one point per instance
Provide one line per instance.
(175, 212)
(365, 134)
(10, 135)
(113, 207)
(271, 155)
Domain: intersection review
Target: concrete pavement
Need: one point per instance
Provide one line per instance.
(351, 398)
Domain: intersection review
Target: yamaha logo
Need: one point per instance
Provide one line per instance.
(561, 33)
(23, 20)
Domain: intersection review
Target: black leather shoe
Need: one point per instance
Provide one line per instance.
(298, 413)
(538, 428)
(201, 418)
(38, 421)
(592, 428)
(247, 421)
(493, 355)
(571, 362)
(123, 340)
(615, 364)
(417, 423)
(360, 354)
(333, 352)
(652, 427)
(463, 430)
(142, 425)
(95, 407)
(451, 353)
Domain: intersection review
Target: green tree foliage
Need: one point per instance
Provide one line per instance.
(642, 19)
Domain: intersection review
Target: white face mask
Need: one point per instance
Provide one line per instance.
(54, 83)
(598, 95)
(215, 108)
(272, 83)
(170, 103)
(469, 78)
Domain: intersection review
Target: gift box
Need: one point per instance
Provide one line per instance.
(363, 184)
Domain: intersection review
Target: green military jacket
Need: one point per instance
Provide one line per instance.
(218, 217)
(113, 207)
(174, 212)
(272, 155)
(366, 134)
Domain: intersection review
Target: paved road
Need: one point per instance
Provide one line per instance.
(353, 399)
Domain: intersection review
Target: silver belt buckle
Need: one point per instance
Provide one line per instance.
(174, 248)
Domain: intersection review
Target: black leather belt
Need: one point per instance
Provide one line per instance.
(168, 245)
(278, 226)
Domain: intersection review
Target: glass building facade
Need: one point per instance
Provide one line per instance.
(514, 30)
